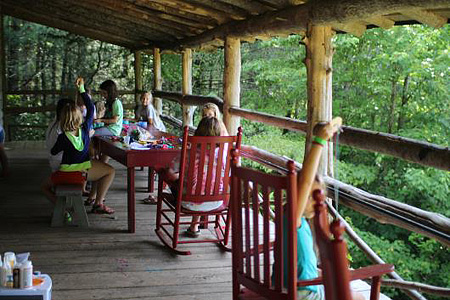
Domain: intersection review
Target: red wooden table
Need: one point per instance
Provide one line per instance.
(154, 158)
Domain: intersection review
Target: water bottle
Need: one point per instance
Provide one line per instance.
(26, 275)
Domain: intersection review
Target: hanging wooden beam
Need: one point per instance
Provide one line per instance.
(188, 111)
(426, 17)
(318, 60)
(137, 76)
(157, 79)
(231, 82)
(318, 12)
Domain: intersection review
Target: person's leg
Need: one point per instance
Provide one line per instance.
(103, 131)
(103, 174)
(194, 224)
(47, 189)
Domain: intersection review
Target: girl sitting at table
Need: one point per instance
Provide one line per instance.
(114, 110)
(146, 112)
(76, 164)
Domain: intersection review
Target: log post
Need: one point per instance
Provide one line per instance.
(231, 83)
(188, 111)
(2, 76)
(319, 53)
(157, 79)
(137, 76)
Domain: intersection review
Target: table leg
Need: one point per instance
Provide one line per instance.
(131, 201)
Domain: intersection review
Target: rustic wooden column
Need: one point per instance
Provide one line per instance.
(188, 111)
(2, 76)
(231, 83)
(157, 79)
(137, 76)
(319, 53)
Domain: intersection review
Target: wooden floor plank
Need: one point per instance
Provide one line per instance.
(104, 261)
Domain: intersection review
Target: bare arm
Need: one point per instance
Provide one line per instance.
(311, 163)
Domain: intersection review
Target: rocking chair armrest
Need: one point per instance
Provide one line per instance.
(314, 281)
(371, 271)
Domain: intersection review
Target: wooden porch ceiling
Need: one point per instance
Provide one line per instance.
(177, 24)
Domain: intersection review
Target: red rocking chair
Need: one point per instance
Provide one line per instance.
(204, 177)
(258, 241)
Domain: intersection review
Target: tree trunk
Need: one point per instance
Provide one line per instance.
(64, 66)
(405, 98)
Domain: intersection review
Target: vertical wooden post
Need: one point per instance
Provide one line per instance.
(231, 82)
(157, 79)
(188, 111)
(319, 54)
(2, 76)
(137, 75)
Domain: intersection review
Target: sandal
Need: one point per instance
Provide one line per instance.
(150, 200)
(102, 209)
(89, 202)
(192, 234)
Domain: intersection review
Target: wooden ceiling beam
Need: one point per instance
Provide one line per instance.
(252, 7)
(84, 18)
(355, 28)
(380, 21)
(197, 8)
(234, 12)
(118, 9)
(318, 12)
(426, 17)
(82, 12)
(148, 16)
(31, 16)
(175, 12)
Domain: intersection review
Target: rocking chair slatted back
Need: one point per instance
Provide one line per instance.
(204, 177)
(256, 234)
(205, 168)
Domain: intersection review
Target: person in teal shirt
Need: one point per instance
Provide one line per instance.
(114, 110)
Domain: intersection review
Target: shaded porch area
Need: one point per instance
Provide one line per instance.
(103, 261)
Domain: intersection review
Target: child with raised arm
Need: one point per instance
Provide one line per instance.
(308, 181)
(74, 143)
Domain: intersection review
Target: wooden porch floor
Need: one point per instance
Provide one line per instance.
(102, 262)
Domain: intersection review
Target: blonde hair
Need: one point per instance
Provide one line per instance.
(71, 117)
(211, 107)
(150, 96)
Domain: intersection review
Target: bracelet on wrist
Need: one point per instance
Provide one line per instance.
(319, 141)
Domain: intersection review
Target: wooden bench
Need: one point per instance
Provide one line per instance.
(69, 196)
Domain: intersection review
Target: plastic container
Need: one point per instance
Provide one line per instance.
(10, 259)
(26, 275)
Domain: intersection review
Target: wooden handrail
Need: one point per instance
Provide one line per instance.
(415, 151)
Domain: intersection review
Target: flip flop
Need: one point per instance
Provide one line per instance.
(150, 200)
(192, 234)
(102, 209)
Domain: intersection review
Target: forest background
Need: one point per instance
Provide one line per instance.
(394, 81)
